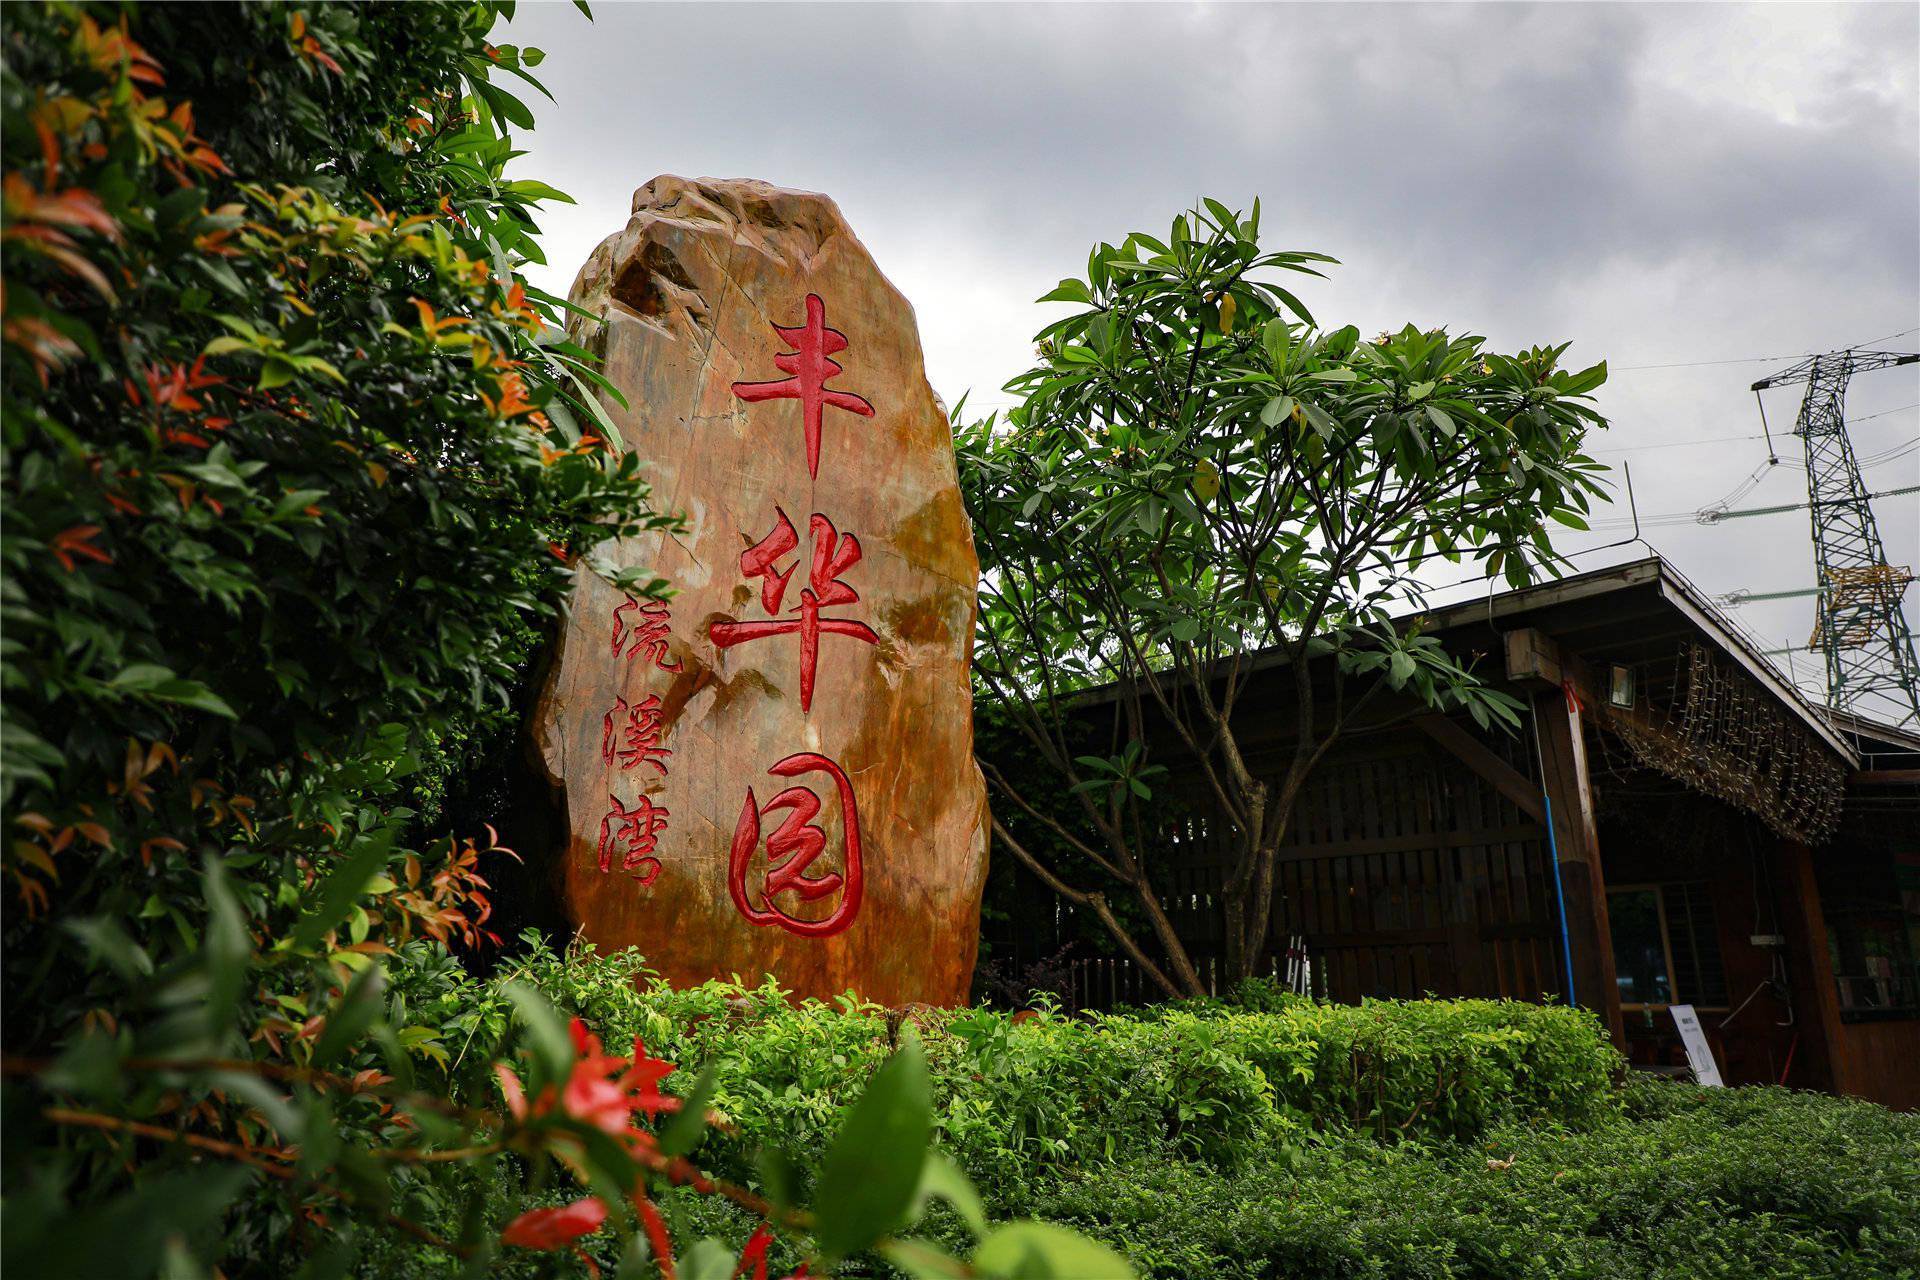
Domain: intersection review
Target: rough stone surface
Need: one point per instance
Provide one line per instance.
(686, 300)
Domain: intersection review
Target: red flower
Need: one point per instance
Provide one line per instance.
(78, 541)
(595, 1093)
(603, 1091)
(755, 1254)
(656, 1229)
(556, 1228)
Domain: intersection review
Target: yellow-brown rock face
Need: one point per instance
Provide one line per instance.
(774, 772)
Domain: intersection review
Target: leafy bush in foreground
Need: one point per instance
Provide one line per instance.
(1688, 1182)
(291, 474)
(293, 469)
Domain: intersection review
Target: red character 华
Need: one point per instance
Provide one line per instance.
(833, 554)
(810, 366)
(792, 848)
(646, 633)
(631, 732)
(633, 834)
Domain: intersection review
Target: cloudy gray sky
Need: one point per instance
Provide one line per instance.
(1717, 187)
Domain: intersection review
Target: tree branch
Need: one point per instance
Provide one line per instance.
(1097, 902)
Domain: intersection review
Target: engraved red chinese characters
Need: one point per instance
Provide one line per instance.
(809, 363)
(833, 554)
(645, 633)
(630, 734)
(792, 849)
(633, 834)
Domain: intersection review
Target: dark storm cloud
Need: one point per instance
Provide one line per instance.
(1655, 184)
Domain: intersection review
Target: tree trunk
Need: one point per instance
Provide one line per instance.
(1170, 942)
(1256, 910)
(1233, 905)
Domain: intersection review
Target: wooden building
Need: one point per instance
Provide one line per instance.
(1709, 836)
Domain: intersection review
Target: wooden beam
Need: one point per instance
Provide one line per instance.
(1471, 752)
(1533, 658)
(1878, 777)
(1416, 843)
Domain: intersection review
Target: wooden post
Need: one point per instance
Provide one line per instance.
(1816, 999)
(1534, 659)
(1576, 839)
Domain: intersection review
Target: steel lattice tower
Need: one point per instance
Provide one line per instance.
(1859, 623)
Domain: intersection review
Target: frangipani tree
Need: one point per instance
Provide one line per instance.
(1197, 472)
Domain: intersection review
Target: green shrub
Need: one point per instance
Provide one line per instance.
(1017, 1099)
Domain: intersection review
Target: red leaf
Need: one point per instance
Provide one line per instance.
(556, 1228)
(78, 541)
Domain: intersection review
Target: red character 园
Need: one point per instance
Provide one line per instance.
(633, 834)
(645, 634)
(631, 732)
(792, 849)
(833, 554)
(811, 367)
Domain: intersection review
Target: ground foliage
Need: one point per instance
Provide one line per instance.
(1271, 1136)
(1685, 1182)
(295, 469)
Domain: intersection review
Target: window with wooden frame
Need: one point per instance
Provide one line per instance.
(1666, 945)
(1871, 901)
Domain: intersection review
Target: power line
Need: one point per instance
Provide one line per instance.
(1888, 455)
(1714, 512)
(1883, 337)
(1711, 516)
(1688, 444)
(1701, 364)
(1869, 417)
(1697, 364)
(1674, 444)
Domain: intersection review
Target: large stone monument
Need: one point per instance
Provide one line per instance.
(773, 772)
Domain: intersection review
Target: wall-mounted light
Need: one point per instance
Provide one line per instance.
(1620, 691)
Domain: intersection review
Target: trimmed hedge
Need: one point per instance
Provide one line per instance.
(1020, 1097)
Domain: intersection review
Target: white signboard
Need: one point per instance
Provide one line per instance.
(1699, 1052)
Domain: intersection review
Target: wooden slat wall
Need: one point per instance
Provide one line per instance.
(1408, 875)
(1405, 872)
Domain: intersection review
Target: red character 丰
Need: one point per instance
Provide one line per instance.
(646, 633)
(809, 363)
(792, 848)
(633, 834)
(631, 734)
(833, 554)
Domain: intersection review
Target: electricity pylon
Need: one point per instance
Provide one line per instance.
(1858, 621)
